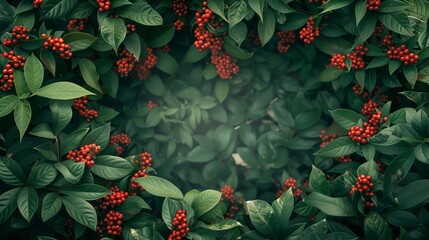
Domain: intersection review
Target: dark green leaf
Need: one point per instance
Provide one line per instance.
(89, 73)
(57, 8)
(111, 167)
(34, 72)
(11, 173)
(263, 218)
(159, 187)
(42, 175)
(398, 23)
(48, 60)
(81, 211)
(62, 91)
(22, 116)
(8, 203)
(339, 207)
(28, 202)
(236, 12)
(345, 118)
(51, 206)
(21, 85)
(8, 104)
(100, 136)
(283, 206)
(205, 201)
(318, 182)
(376, 227)
(218, 7)
(155, 85)
(132, 206)
(85, 191)
(141, 12)
(113, 31)
(339, 147)
(266, 28)
(79, 40)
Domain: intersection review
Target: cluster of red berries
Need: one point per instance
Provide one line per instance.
(344, 159)
(364, 186)
(7, 79)
(151, 105)
(131, 28)
(373, 5)
(203, 36)
(111, 224)
(143, 69)
(126, 62)
(164, 49)
(231, 212)
(85, 154)
(77, 23)
(103, 5)
(227, 193)
(58, 45)
(115, 198)
(225, 65)
(37, 3)
(361, 135)
(180, 10)
(326, 138)
(180, 226)
(369, 108)
(370, 128)
(80, 104)
(357, 89)
(144, 163)
(403, 54)
(120, 141)
(286, 39)
(387, 41)
(290, 183)
(308, 33)
(356, 58)
(254, 38)
(378, 31)
(18, 33)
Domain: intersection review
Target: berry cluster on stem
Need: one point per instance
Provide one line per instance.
(403, 54)
(286, 39)
(180, 225)
(19, 33)
(120, 141)
(228, 194)
(131, 28)
(180, 10)
(290, 183)
(77, 23)
(103, 5)
(80, 104)
(144, 163)
(8, 77)
(373, 5)
(85, 154)
(309, 32)
(356, 59)
(364, 186)
(115, 198)
(58, 45)
(111, 225)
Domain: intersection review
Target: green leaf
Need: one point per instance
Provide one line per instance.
(422, 153)
(79, 40)
(398, 169)
(413, 194)
(81, 211)
(56, 8)
(42, 175)
(141, 12)
(99, 136)
(160, 36)
(48, 60)
(338, 207)
(360, 11)
(238, 33)
(71, 171)
(8, 104)
(205, 201)
(132, 206)
(345, 118)
(397, 23)
(376, 227)
(194, 55)
(336, 4)
(155, 85)
(378, 62)
(111, 167)
(89, 73)
(87, 191)
(82, 10)
(280, 6)
(61, 115)
(257, 6)
(28, 202)
(11, 173)
(263, 218)
(283, 206)
(34, 72)
(22, 116)
(389, 6)
(218, 7)
(221, 90)
(21, 85)
(369, 168)
(266, 28)
(62, 91)
(167, 64)
(339, 147)
(220, 226)
(236, 12)
(169, 208)
(51, 206)
(368, 151)
(8, 203)
(318, 182)
(329, 74)
(235, 50)
(410, 72)
(113, 31)
(133, 45)
(159, 187)
(201, 154)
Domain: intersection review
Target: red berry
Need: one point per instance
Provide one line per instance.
(309, 33)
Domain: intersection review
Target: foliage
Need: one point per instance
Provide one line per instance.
(164, 119)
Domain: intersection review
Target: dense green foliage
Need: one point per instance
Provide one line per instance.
(134, 113)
